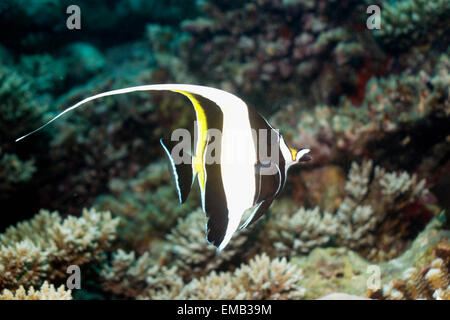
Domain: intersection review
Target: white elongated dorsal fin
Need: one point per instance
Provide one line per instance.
(222, 98)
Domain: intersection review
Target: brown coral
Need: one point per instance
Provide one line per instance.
(370, 219)
(261, 278)
(190, 251)
(131, 277)
(429, 282)
(45, 246)
(46, 292)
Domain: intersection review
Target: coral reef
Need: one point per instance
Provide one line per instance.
(46, 292)
(260, 279)
(148, 205)
(372, 218)
(330, 270)
(132, 277)
(43, 248)
(300, 49)
(429, 282)
(192, 254)
(372, 105)
(300, 232)
(418, 22)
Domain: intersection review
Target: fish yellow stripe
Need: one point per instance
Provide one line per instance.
(202, 129)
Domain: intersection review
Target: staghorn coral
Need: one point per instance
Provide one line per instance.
(429, 282)
(132, 277)
(192, 254)
(45, 246)
(46, 292)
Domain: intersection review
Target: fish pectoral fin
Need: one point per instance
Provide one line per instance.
(181, 172)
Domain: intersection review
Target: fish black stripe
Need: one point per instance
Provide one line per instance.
(267, 186)
(215, 200)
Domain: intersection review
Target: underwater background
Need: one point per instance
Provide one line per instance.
(368, 216)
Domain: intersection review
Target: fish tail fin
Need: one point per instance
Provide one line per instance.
(182, 173)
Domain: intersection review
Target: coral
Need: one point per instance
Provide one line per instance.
(411, 23)
(368, 202)
(190, 251)
(20, 109)
(429, 282)
(43, 248)
(131, 277)
(83, 60)
(329, 84)
(383, 126)
(46, 292)
(372, 218)
(298, 233)
(341, 296)
(13, 172)
(262, 278)
(268, 50)
(147, 204)
(330, 270)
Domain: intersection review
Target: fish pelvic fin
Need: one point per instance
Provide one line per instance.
(181, 172)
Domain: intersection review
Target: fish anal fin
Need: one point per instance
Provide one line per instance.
(258, 212)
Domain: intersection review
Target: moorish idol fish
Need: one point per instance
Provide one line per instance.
(228, 189)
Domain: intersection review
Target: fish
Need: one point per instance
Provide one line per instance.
(228, 189)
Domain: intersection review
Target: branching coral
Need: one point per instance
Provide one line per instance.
(43, 248)
(20, 110)
(385, 125)
(371, 219)
(302, 49)
(298, 233)
(147, 204)
(190, 251)
(261, 278)
(132, 277)
(369, 202)
(46, 292)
